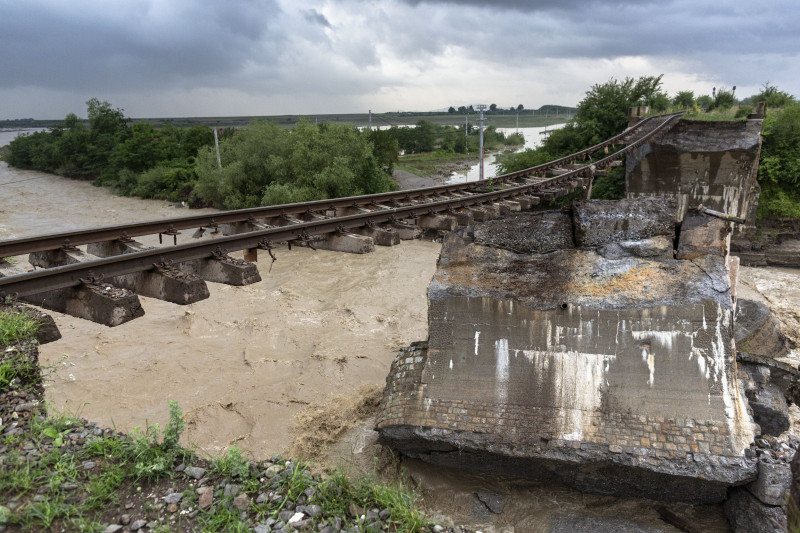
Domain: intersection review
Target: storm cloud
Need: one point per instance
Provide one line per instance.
(257, 57)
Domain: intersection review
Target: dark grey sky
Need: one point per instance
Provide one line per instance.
(260, 57)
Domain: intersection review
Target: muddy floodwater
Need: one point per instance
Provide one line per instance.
(277, 362)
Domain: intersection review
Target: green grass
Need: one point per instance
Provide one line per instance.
(16, 326)
(718, 115)
(20, 368)
(429, 163)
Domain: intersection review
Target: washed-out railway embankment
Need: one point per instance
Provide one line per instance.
(101, 283)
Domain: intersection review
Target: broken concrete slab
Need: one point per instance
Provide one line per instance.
(528, 232)
(599, 222)
(614, 376)
(698, 162)
(702, 235)
(659, 247)
(773, 483)
(748, 515)
(757, 331)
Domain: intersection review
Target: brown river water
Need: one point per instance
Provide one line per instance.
(292, 363)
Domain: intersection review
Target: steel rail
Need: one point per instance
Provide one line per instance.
(75, 274)
(26, 245)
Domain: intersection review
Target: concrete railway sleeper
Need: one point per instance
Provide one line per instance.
(326, 208)
(102, 283)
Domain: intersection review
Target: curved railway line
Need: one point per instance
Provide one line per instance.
(301, 223)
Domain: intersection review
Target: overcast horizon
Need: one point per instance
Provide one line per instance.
(192, 58)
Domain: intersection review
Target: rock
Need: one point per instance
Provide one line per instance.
(329, 529)
(770, 409)
(272, 471)
(313, 510)
(138, 524)
(231, 490)
(598, 222)
(88, 465)
(748, 515)
(262, 528)
(285, 515)
(206, 499)
(24, 408)
(173, 508)
(757, 331)
(528, 232)
(355, 510)
(437, 529)
(113, 528)
(261, 498)
(295, 518)
(194, 472)
(241, 502)
(493, 501)
(175, 497)
(773, 483)
(125, 519)
(302, 525)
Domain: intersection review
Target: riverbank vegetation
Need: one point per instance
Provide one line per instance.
(62, 473)
(262, 164)
(603, 114)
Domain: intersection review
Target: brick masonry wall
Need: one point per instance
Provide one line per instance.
(652, 439)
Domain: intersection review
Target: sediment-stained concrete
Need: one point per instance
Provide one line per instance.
(614, 375)
(698, 162)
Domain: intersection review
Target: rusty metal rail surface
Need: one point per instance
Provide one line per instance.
(168, 226)
(73, 275)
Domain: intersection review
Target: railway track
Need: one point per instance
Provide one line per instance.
(300, 223)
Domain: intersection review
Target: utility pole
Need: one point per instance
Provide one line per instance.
(481, 108)
(517, 122)
(370, 120)
(216, 145)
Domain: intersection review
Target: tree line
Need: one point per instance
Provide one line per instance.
(261, 164)
(265, 164)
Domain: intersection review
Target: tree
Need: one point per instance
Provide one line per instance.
(462, 109)
(684, 100)
(471, 109)
(704, 101)
(604, 111)
(520, 107)
(773, 97)
(493, 108)
(265, 164)
(779, 168)
(723, 99)
(103, 119)
(451, 110)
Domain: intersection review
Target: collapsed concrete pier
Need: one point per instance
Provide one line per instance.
(573, 345)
